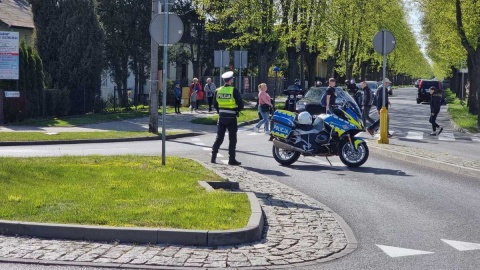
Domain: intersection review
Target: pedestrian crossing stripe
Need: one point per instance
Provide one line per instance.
(401, 252)
(462, 246)
(415, 135)
(446, 137)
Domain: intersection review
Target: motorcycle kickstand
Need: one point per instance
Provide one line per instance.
(329, 161)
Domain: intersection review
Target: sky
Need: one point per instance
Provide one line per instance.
(413, 18)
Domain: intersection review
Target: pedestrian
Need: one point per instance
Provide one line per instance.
(435, 103)
(228, 103)
(264, 105)
(367, 104)
(177, 92)
(382, 91)
(210, 89)
(195, 86)
(193, 101)
(331, 96)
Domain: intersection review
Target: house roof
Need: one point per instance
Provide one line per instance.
(16, 13)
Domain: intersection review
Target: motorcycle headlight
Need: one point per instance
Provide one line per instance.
(300, 106)
(292, 96)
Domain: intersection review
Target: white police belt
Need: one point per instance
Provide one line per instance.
(227, 111)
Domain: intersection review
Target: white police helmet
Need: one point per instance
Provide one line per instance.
(305, 118)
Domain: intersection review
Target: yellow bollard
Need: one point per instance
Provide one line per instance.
(383, 139)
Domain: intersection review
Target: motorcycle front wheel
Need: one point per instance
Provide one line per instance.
(353, 157)
(285, 157)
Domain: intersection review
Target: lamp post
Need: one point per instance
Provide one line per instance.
(276, 70)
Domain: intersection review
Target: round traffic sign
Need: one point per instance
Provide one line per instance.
(379, 39)
(175, 28)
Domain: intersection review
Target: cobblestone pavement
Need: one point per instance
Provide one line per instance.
(297, 230)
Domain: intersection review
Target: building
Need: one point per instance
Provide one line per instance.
(16, 16)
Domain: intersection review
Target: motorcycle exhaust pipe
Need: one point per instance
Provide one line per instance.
(288, 147)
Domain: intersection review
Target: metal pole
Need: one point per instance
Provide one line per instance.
(274, 89)
(153, 121)
(240, 75)
(220, 69)
(164, 79)
(384, 112)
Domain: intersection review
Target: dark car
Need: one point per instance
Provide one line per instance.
(423, 89)
(311, 101)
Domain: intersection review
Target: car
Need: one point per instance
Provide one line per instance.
(423, 89)
(311, 100)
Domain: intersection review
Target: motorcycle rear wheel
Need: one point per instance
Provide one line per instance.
(353, 157)
(285, 157)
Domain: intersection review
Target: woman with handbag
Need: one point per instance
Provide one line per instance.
(264, 105)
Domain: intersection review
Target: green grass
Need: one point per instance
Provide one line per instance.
(79, 120)
(245, 115)
(460, 114)
(117, 191)
(41, 136)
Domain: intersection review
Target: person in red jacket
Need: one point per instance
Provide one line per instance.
(197, 87)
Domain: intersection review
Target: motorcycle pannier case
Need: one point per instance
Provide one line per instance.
(283, 123)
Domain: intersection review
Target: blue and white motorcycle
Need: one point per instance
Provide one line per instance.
(326, 135)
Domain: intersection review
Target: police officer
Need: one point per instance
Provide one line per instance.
(228, 103)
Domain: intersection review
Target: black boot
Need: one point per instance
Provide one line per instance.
(234, 162)
(214, 157)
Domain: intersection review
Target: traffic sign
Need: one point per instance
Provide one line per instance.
(240, 59)
(379, 39)
(175, 28)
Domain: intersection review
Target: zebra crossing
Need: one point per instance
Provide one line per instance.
(409, 135)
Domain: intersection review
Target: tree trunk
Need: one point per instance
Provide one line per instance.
(474, 75)
(311, 62)
(292, 68)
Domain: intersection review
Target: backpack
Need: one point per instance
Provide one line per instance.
(323, 99)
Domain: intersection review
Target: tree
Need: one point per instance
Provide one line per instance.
(70, 42)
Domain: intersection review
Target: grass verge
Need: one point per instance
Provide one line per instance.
(245, 115)
(70, 136)
(117, 191)
(460, 114)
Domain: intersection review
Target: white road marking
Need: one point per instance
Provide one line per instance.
(446, 136)
(253, 133)
(200, 143)
(195, 139)
(206, 148)
(400, 252)
(476, 139)
(224, 161)
(462, 246)
(415, 135)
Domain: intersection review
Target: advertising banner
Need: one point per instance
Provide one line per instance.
(9, 56)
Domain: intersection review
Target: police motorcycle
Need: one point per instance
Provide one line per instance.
(292, 92)
(326, 135)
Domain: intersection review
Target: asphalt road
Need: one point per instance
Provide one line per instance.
(404, 216)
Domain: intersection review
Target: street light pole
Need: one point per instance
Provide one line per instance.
(276, 70)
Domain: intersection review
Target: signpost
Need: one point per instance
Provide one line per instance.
(165, 29)
(384, 43)
(221, 59)
(240, 61)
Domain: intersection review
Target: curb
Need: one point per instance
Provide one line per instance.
(210, 238)
(137, 139)
(435, 164)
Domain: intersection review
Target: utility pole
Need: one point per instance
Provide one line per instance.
(153, 124)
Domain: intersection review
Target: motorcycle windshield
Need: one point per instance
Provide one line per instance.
(345, 100)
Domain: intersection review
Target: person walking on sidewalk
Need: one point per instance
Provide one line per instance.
(228, 103)
(382, 92)
(196, 87)
(435, 103)
(177, 92)
(210, 89)
(264, 105)
(367, 104)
